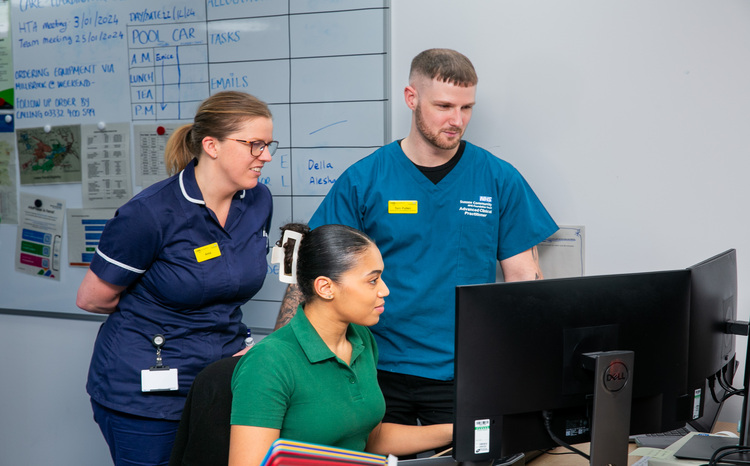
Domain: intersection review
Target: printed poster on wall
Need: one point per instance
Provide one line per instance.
(39, 239)
(105, 171)
(49, 155)
(8, 192)
(6, 61)
(85, 228)
(563, 254)
(150, 143)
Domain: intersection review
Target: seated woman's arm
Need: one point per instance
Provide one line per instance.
(248, 445)
(397, 439)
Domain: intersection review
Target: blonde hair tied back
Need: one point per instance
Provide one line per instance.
(218, 116)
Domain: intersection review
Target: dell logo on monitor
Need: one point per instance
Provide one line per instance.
(616, 376)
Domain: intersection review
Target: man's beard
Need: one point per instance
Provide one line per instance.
(434, 138)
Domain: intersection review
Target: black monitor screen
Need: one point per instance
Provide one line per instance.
(518, 354)
(713, 303)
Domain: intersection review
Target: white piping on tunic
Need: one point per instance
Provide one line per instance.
(119, 264)
(139, 271)
(198, 201)
(184, 193)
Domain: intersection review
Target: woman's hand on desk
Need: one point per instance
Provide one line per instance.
(397, 439)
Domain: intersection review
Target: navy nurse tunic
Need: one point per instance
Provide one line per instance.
(186, 279)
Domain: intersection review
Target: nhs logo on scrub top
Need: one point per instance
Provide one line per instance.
(485, 198)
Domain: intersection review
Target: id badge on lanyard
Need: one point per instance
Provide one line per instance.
(159, 378)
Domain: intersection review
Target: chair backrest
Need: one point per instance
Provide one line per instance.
(203, 432)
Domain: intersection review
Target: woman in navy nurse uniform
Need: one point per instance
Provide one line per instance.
(178, 260)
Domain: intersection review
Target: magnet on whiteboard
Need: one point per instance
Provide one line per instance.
(8, 118)
(160, 130)
(47, 128)
(101, 125)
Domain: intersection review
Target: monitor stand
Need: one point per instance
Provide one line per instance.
(613, 394)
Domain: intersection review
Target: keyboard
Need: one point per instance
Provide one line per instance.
(661, 439)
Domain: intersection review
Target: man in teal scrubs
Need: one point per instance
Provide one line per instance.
(442, 211)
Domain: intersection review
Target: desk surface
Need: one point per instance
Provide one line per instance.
(563, 457)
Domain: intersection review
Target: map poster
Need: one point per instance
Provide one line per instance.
(49, 155)
(39, 239)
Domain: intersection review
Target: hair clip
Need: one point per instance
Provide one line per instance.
(277, 256)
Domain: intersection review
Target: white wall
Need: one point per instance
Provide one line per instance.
(45, 413)
(630, 117)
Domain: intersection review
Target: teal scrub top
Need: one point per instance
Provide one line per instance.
(433, 237)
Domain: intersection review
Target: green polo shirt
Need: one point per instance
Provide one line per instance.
(291, 381)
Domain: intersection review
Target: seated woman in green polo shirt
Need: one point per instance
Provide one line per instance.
(315, 379)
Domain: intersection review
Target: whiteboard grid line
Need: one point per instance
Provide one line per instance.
(289, 98)
(328, 102)
(310, 57)
(302, 13)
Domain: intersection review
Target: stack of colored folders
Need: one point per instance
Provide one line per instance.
(292, 453)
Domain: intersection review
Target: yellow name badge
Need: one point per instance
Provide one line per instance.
(207, 252)
(402, 207)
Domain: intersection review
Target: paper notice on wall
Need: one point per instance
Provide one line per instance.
(150, 141)
(8, 190)
(85, 227)
(562, 254)
(105, 168)
(39, 239)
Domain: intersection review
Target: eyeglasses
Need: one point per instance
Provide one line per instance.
(257, 147)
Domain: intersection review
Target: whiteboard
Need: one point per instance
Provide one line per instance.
(322, 66)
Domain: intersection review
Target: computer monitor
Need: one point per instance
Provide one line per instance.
(519, 350)
(713, 326)
(713, 305)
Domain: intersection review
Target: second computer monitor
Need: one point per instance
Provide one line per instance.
(519, 350)
(713, 304)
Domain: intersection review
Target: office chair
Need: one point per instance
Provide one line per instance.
(203, 433)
